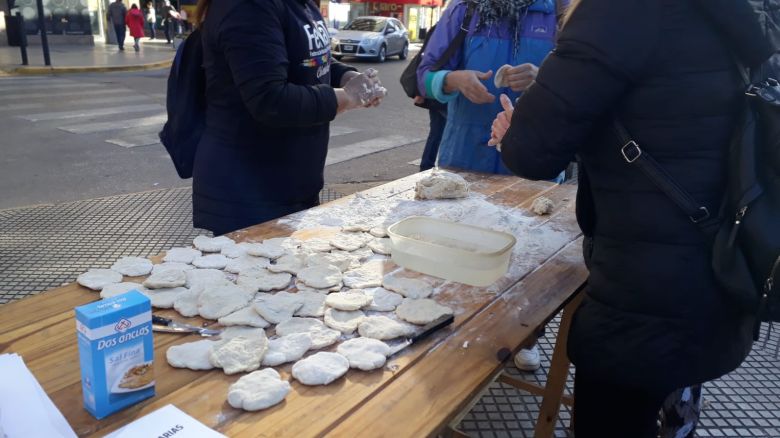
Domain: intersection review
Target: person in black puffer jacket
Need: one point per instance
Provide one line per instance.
(272, 88)
(654, 320)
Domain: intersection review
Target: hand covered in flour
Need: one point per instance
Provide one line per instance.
(501, 123)
(365, 89)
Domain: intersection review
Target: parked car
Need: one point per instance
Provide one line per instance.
(372, 37)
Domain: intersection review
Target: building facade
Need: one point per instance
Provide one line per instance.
(417, 15)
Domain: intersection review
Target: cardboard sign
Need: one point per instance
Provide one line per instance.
(166, 422)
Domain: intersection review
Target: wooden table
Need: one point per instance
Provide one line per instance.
(417, 394)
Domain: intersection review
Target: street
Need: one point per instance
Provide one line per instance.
(84, 136)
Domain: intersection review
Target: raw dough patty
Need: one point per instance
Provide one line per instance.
(320, 369)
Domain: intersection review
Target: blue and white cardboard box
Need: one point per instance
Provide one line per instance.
(116, 351)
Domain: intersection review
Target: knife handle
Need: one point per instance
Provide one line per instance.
(432, 327)
(160, 320)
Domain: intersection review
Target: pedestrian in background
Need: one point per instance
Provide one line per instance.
(116, 16)
(170, 18)
(654, 323)
(151, 18)
(135, 22)
(184, 20)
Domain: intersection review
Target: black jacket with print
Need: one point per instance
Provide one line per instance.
(269, 89)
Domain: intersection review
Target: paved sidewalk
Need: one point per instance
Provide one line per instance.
(84, 58)
(42, 247)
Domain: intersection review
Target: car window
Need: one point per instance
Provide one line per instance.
(399, 25)
(390, 27)
(366, 25)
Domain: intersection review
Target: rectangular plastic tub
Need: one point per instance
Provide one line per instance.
(464, 253)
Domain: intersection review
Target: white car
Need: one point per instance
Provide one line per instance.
(372, 37)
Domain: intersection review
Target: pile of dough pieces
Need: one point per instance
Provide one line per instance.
(309, 295)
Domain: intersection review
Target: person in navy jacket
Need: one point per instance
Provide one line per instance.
(272, 88)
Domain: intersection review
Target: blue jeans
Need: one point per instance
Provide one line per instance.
(152, 30)
(120, 35)
(438, 120)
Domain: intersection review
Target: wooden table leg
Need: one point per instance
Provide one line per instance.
(556, 377)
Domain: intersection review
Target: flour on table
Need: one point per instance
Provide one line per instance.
(211, 261)
(239, 354)
(381, 246)
(320, 369)
(212, 244)
(383, 328)
(287, 243)
(286, 349)
(164, 298)
(268, 250)
(343, 261)
(203, 276)
(278, 307)
(320, 276)
(192, 355)
(235, 250)
(245, 262)
(364, 353)
(408, 287)
(176, 266)
(379, 232)
(181, 255)
(421, 311)
(321, 336)
(316, 244)
(97, 279)
(291, 263)
(353, 299)
(313, 304)
(186, 303)
(349, 241)
(368, 275)
(383, 300)
(258, 390)
(542, 206)
(246, 316)
(133, 266)
(114, 289)
(222, 299)
(165, 279)
(344, 321)
(441, 185)
(261, 279)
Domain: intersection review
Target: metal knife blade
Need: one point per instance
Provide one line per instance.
(429, 329)
(167, 325)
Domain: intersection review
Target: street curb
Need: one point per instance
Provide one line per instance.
(30, 71)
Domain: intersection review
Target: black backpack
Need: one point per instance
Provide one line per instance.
(186, 105)
(746, 231)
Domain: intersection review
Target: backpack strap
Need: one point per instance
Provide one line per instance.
(457, 42)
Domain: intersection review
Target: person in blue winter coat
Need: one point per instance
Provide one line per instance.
(518, 33)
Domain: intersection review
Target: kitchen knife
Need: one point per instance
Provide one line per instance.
(166, 325)
(429, 329)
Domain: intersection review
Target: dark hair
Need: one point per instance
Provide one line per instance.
(134, 6)
(200, 11)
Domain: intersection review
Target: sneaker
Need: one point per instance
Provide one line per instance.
(528, 360)
(136, 48)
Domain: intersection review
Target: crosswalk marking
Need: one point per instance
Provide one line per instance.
(22, 106)
(355, 150)
(53, 86)
(135, 140)
(36, 84)
(54, 95)
(102, 100)
(89, 128)
(336, 131)
(74, 114)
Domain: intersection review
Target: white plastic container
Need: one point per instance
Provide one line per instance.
(464, 253)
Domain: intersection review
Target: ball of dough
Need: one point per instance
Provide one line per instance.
(181, 255)
(353, 299)
(320, 369)
(192, 355)
(321, 336)
(408, 287)
(286, 349)
(97, 279)
(211, 261)
(382, 300)
(133, 266)
(166, 278)
(222, 299)
(542, 206)
(258, 390)
(384, 328)
(246, 316)
(321, 276)
(422, 311)
(239, 354)
(441, 185)
(344, 321)
(278, 307)
(364, 353)
(212, 244)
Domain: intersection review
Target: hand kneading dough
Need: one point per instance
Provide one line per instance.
(321, 336)
(181, 255)
(344, 321)
(320, 277)
(96, 279)
(261, 279)
(364, 353)
(441, 185)
(166, 278)
(383, 328)
(164, 298)
(192, 355)
(114, 289)
(408, 287)
(368, 275)
(212, 244)
(313, 303)
(278, 307)
(542, 206)
(211, 261)
(349, 241)
(258, 390)
(246, 316)
(382, 300)
(353, 299)
(133, 266)
(286, 349)
(239, 354)
(222, 299)
(320, 369)
(421, 311)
